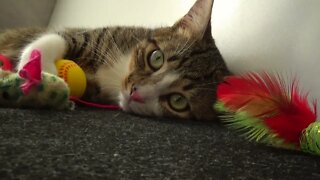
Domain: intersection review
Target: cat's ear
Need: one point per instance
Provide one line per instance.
(196, 23)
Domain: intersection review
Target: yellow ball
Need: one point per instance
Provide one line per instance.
(73, 75)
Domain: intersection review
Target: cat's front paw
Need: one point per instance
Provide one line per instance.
(51, 46)
(47, 62)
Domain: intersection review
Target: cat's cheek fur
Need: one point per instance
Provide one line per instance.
(110, 79)
(52, 47)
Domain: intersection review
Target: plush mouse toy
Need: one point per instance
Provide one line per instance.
(31, 88)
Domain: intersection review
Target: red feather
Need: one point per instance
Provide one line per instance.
(284, 110)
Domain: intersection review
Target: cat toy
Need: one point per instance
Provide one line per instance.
(68, 70)
(263, 108)
(32, 88)
(73, 75)
(5, 63)
(76, 79)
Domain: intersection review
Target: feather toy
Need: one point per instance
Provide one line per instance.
(266, 109)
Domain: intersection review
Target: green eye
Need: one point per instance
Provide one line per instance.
(156, 60)
(178, 102)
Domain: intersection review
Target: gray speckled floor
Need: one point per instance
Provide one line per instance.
(99, 144)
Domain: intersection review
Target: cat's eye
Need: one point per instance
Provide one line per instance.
(178, 102)
(156, 60)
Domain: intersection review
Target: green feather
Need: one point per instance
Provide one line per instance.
(251, 128)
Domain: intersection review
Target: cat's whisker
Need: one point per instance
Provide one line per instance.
(110, 85)
(92, 48)
(135, 37)
(101, 58)
(99, 52)
(184, 45)
(188, 47)
(113, 56)
(115, 44)
(115, 84)
(107, 58)
(177, 48)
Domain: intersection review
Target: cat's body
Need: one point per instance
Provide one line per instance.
(171, 71)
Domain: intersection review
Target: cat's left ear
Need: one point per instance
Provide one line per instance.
(196, 23)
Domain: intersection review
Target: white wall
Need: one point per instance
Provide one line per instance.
(95, 13)
(277, 35)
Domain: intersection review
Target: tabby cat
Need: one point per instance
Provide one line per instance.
(169, 71)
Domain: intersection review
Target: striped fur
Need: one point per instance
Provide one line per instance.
(115, 60)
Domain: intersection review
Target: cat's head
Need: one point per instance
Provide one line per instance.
(175, 72)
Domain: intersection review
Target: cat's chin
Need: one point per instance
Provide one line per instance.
(124, 101)
(130, 106)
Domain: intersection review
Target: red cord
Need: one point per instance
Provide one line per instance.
(91, 104)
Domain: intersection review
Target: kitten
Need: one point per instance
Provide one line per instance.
(169, 72)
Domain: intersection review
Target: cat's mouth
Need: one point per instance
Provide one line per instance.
(127, 100)
(135, 103)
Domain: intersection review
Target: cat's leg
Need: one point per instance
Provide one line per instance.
(52, 47)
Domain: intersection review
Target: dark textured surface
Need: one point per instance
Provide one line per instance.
(102, 144)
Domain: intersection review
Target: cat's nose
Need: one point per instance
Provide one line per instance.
(135, 95)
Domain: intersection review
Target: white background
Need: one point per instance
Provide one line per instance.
(278, 35)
